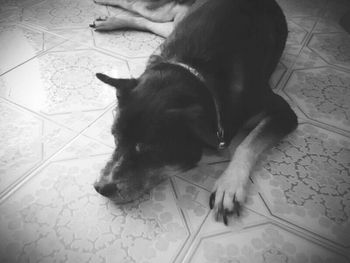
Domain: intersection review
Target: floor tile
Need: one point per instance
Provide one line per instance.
(57, 216)
(63, 13)
(335, 9)
(101, 129)
(296, 34)
(306, 23)
(83, 147)
(63, 85)
(301, 7)
(328, 26)
(205, 176)
(334, 48)
(25, 142)
(305, 180)
(137, 66)
(309, 59)
(322, 94)
(83, 36)
(128, 43)
(193, 201)
(265, 243)
(277, 75)
(19, 43)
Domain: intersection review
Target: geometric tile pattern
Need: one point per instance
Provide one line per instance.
(63, 218)
(101, 129)
(302, 8)
(55, 120)
(334, 48)
(128, 43)
(19, 43)
(323, 94)
(60, 85)
(63, 13)
(266, 243)
(306, 180)
(25, 142)
(309, 59)
(296, 34)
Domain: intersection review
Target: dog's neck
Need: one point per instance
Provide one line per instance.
(220, 130)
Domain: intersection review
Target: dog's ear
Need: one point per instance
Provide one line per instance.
(122, 86)
(197, 121)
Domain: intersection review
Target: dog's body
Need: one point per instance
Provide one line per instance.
(209, 76)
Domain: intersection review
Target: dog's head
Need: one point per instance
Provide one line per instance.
(162, 123)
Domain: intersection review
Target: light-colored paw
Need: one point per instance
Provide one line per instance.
(105, 23)
(229, 193)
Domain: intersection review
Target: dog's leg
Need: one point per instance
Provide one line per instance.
(132, 21)
(263, 131)
(157, 11)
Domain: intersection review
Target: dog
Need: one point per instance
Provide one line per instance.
(205, 86)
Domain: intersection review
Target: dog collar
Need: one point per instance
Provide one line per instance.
(220, 130)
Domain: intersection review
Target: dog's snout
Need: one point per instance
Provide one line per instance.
(106, 190)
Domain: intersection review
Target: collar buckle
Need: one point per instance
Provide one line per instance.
(221, 138)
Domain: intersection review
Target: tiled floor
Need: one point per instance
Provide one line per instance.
(55, 119)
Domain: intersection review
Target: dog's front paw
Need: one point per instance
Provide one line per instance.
(228, 195)
(106, 23)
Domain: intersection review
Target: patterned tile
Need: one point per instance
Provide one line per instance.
(329, 22)
(57, 216)
(19, 43)
(309, 59)
(9, 14)
(328, 26)
(296, 35)
(193, 201)
(63, 13)
(83, 36)
(137, 66)
(11, 10)
(293, 50)
(301, 7)
(277, 75)
(101, 129)
(205, 176)
(63, 85)
(323, 94)
(334, 48)
(25, 142)
(335, 9)
(305, 181)
(83, 147)
(265, 243)
(306, 23)
(128, 43)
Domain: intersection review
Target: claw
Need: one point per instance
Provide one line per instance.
(212, 200)
(237, 208)
(101, 18)
(226, 212)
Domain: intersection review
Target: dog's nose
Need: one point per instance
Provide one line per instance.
(106, 190)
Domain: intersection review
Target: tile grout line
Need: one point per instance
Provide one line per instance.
(31, 173)
(291, 68)
(93, 47)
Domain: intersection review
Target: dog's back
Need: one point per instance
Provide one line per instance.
(236, 44)
(216, 33)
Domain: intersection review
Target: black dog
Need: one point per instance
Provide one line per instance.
(207, 84)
